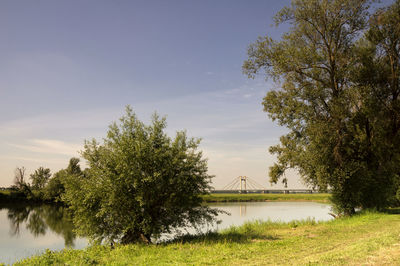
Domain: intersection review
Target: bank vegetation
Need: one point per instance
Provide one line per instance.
(355, 240)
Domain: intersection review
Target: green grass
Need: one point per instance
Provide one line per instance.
(11, 196)
(369, 238)
(5, 192)
(318, 197)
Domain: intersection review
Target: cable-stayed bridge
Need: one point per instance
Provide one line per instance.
(245, 184)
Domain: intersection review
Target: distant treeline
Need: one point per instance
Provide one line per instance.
(43, 186)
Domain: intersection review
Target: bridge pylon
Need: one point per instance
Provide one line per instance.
(243, 184)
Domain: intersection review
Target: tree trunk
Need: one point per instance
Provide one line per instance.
(135, 237)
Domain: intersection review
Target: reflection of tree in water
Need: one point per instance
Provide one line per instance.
(35, 224)
(17, 215)
(60, 222)
(40, 218)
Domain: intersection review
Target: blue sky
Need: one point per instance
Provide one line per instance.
(69, 68)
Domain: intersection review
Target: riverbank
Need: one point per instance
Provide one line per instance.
(317, 197)
(8, 196)
(12, 196)
(355, 240)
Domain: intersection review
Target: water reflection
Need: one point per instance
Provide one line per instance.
(243, 210)
(39, 219)
(27, 230)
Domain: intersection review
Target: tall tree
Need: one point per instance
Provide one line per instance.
(19, 177)
(74, 167)
(321, 101)
(140, 183)
(377, 75)
(40, 178)
(56, 185)
(20, 184)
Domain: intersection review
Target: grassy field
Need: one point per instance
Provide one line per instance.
(5, 192)
(319, 197)
(11, 196)
(370, 238)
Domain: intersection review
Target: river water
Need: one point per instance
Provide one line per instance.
(30, 230)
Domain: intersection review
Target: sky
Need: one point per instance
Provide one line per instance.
(69, 68)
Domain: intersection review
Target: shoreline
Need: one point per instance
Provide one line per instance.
(253, 197)
(352, 240)
(8, 196)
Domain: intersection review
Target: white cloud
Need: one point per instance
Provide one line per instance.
(236, 133)
(73, 120)
(50, 146)
(36, 160)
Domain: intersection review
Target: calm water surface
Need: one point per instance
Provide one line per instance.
(30, 230)
(242, 212)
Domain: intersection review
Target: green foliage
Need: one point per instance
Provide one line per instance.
(19, 182)
(11, 196)
(56, 185)
(347, 241)
(378, 76)
(339, 98)
(40, 178)
(140, 183)
(74, 167)
(19, 178)
(44, 187)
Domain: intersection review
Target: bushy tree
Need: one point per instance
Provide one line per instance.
(56, 185)
(140, 183)
(73, 167)
(339, 138)
(40, 178)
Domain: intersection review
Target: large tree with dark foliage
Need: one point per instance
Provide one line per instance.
(140, 183)
(338, 72)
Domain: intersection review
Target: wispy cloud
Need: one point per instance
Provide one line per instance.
(49, 146)
(38, 160)
(235, 131)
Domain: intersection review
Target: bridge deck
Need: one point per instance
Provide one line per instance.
(265, 191)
